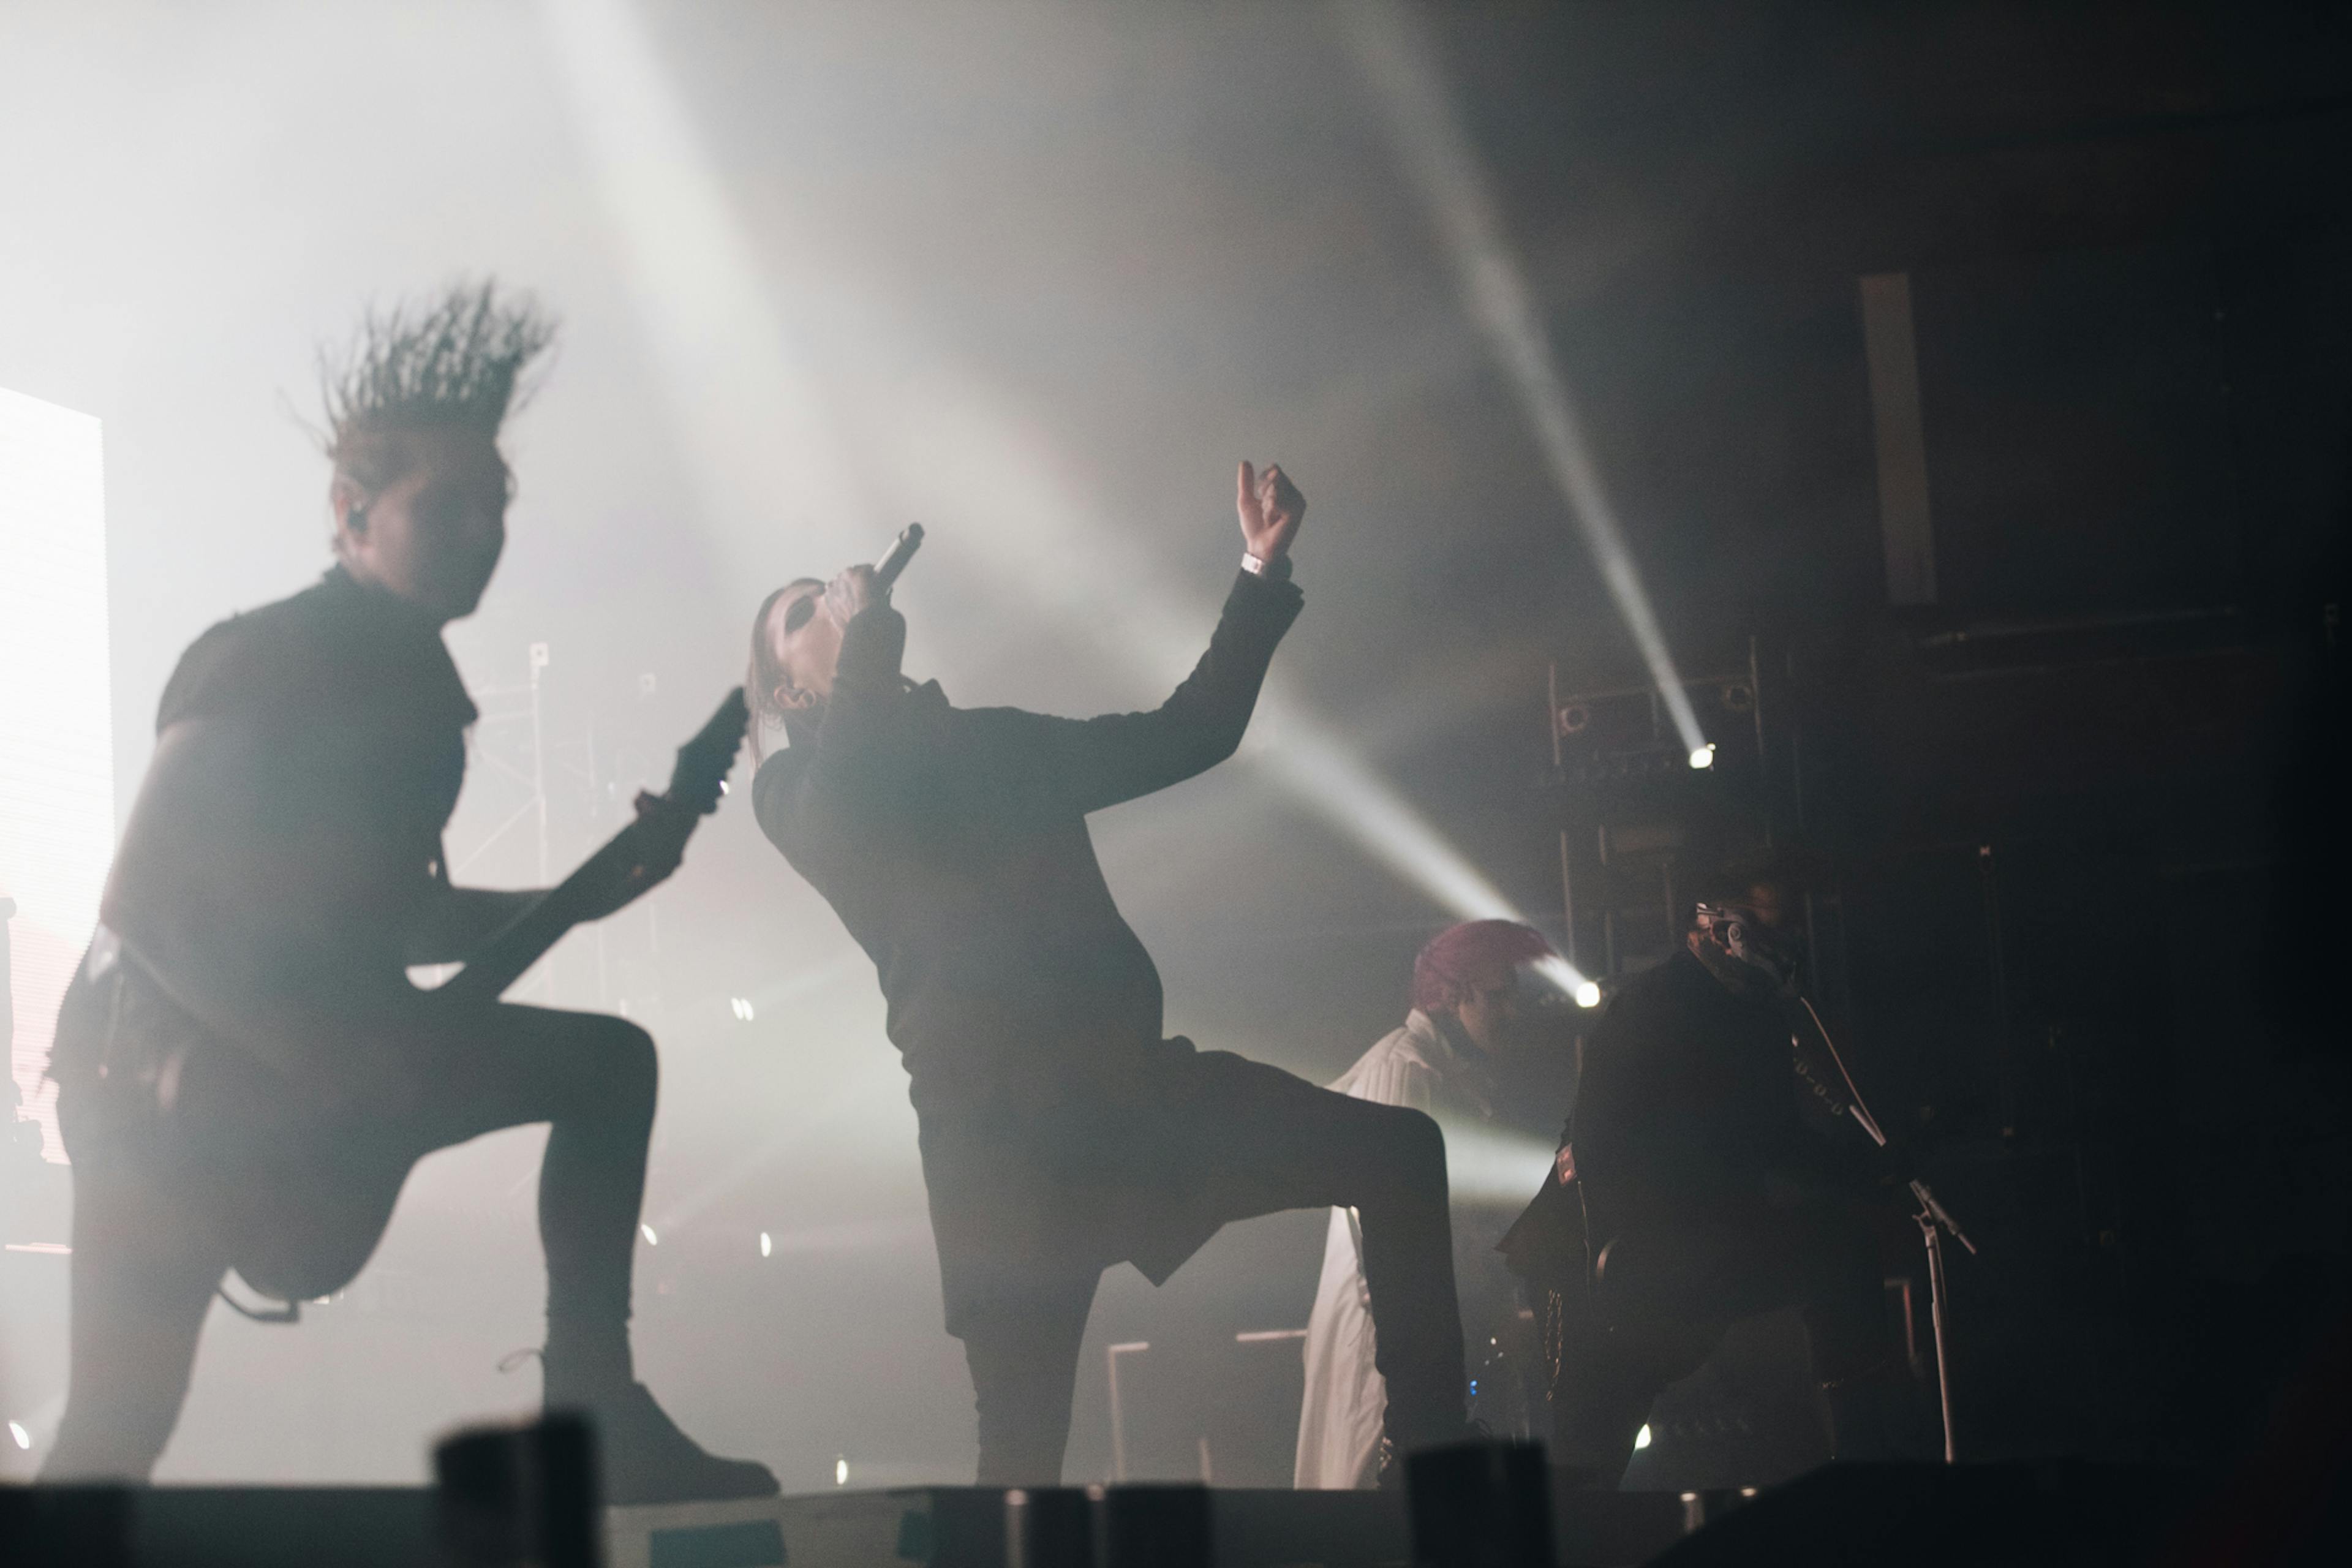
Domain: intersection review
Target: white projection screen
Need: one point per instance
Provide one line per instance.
(57, 737)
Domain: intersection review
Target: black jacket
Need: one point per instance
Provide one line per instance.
(1687, 1108)
(952, 842)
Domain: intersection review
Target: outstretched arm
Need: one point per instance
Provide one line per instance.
(1098, 762)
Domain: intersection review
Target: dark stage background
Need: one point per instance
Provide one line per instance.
(1038, 276)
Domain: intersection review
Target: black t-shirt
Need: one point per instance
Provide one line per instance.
(350, 717)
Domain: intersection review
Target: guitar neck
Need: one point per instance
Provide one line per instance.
(526, 939)
(695, 786)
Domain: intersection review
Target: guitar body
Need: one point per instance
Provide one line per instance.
(308, 1226)
(313, 1242)
(301, 1196)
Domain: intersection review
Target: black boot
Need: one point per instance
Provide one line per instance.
(643, 1456)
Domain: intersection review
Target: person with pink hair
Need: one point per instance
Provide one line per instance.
(1472, 1011)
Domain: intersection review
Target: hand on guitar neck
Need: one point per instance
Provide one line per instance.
(635, 860)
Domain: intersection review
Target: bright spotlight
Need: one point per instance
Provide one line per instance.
(1562, 974)
(1703, 756)
(647, 1232)
(744, 1012)
(1641, 1438)
(840, 1472)
(767, 1243)
(16, 1430)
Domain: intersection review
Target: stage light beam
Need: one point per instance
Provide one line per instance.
(747, 407)
(1445, 172)
(736, 376)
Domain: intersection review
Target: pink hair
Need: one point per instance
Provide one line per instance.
(1457, 955)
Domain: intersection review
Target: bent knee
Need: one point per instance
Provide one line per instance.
(1419, 1140)
(625, 1056)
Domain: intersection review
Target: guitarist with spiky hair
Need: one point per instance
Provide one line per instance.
(246, 1073)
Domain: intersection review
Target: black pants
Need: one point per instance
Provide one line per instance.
(1665, 1294)
(1280, 1144)
(151, 1230)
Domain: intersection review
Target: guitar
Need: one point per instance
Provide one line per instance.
(314, 1207)
(663, 822)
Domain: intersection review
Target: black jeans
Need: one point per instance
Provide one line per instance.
(151, 1229)
(1665, 1294)
(1284, 1145)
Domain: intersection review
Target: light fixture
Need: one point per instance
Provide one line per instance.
(767, 1246)
(1564, 976)
(840, 1471)
(16, 1430)
(741, 1008)
(1641, 1438)
(647, 1232)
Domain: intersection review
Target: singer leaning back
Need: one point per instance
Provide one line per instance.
(1060, 1132)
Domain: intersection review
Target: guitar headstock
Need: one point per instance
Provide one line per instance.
(700, 776)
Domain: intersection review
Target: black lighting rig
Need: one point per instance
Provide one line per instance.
(1640, 805)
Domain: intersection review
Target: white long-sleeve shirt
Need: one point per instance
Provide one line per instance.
(1339, 1421)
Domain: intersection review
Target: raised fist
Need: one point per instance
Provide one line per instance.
(1270, 506)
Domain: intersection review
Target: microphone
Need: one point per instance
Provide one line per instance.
(894, 559)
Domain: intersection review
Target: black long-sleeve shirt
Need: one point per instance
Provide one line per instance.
(952, 842)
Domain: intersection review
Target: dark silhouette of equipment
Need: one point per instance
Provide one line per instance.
(1946, 1516)
(1481, 1505)
(519, 1495)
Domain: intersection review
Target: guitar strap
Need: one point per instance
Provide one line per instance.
(127, 1057)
